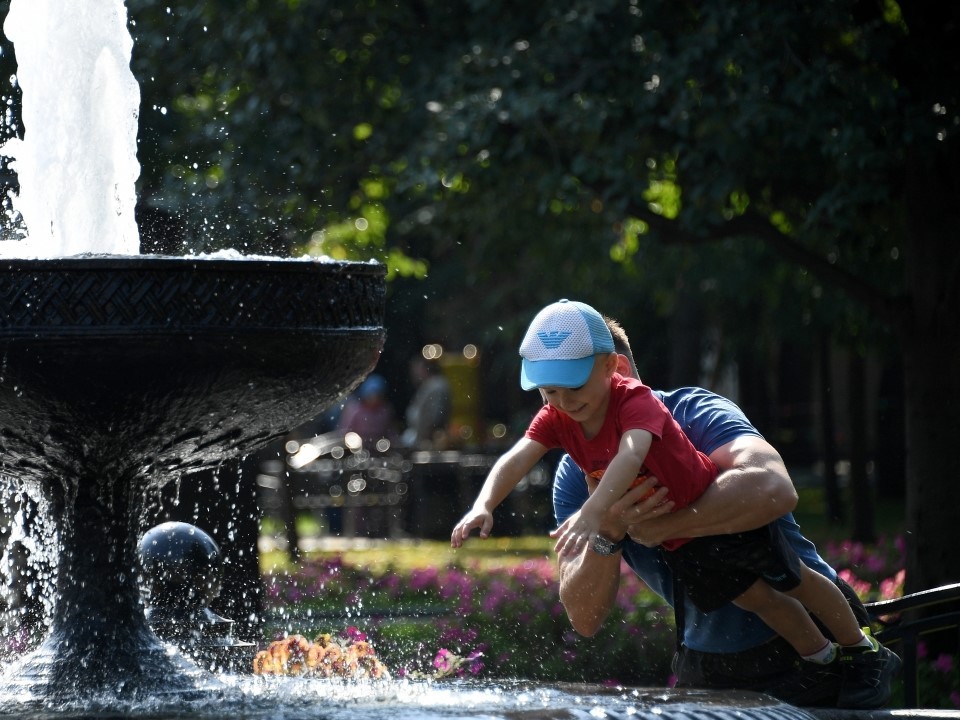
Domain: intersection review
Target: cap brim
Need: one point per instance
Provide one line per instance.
(555, 373)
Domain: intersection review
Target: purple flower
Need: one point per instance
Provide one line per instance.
(444, 660)
(944, 663)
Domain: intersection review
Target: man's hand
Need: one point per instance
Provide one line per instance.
(643, 503)
(476, 518)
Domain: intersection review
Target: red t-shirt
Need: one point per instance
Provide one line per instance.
(675, 462)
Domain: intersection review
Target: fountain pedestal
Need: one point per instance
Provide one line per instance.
(119, 375)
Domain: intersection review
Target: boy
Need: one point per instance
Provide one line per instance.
(618, 432)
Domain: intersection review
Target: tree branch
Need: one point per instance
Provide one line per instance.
(894, 310)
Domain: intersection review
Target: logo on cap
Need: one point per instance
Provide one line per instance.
(553, 339)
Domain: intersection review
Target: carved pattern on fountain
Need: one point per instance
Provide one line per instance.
(160, 297)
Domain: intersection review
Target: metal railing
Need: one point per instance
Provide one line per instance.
(902, 626)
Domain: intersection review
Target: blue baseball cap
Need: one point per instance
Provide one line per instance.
(560, 345)
(373, 385)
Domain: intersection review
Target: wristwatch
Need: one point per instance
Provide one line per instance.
(605, 546)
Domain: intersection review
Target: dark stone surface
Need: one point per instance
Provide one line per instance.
(120, 375)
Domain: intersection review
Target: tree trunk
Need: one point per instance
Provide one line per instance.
(930, 332)
(933, 492)
(891, 463)
(686, 333)
(828, 441)
(861, 494)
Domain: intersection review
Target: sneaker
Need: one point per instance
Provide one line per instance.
(866, 675)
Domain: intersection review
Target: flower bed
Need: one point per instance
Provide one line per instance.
(875, 572)
(508, 622)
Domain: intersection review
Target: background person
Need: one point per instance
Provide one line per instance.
(369, 413)
(428, 414)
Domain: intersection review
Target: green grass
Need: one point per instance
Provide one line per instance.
(403, 555)
(380, 555)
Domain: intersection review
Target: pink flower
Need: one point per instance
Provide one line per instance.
(859, 586)
(944, 663)
(353, 634)
(893, 587)
(443, 661)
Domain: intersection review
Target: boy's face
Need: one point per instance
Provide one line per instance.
(587, 403)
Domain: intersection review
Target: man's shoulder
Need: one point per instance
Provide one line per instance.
(707, 418)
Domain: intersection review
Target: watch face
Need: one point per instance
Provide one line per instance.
(603, 546)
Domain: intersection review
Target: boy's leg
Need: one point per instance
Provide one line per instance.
(823, 598)
(867, 668)
(786, 616)
(775, 669)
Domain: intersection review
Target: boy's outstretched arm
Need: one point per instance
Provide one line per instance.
(503, 477)
(579, 529)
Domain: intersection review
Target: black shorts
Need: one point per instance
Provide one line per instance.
(716, 569)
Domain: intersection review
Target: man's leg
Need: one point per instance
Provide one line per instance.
(774, 668)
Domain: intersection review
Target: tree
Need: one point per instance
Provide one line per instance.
(793, 164)
(828, 132)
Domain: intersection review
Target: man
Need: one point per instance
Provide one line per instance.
(728, 648)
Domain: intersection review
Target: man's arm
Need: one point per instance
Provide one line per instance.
(588, 581)
(588, 588)
(752, 490)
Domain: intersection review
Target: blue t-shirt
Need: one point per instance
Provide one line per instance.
(710, 421)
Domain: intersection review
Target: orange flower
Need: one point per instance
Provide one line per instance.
(295, 655)
(315, 656)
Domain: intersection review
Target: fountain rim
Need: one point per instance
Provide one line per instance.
(188, 262)
(108, 296)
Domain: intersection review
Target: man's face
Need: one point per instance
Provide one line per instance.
(587, 403)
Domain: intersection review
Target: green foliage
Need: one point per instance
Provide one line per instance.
(535, 136)
(601, 142)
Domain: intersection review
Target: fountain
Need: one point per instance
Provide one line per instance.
(120, 373)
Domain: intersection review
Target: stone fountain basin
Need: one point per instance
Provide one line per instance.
(119, 375)
(180, 361)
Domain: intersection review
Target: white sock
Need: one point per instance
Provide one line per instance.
(863, 642)
(823, 656)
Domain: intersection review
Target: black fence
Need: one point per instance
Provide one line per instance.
(389, 493)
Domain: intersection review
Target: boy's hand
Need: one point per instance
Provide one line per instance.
(476, 518)
(576, 533)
